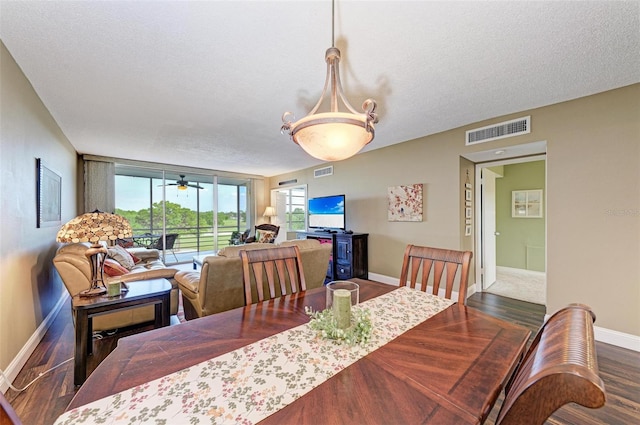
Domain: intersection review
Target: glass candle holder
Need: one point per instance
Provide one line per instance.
(341, 295)
(113, 289)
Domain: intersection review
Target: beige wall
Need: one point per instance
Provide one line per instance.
(593, 199)
(29, 288)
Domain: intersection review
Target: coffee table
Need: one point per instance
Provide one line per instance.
(143, 292)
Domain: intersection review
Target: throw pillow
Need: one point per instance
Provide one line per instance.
(135, 259)
(122, 256)
(266, 236)
(113, 268)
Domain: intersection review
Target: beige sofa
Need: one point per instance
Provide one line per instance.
(75, 270)
(218, 285)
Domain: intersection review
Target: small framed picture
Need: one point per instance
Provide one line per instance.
(467, 221)
(526, 203)
(467, 212)
(467, 185)
(467, 230)
(467, 203)
(467, 195)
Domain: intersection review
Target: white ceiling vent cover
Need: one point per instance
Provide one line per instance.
(323, 172)
(499, 131)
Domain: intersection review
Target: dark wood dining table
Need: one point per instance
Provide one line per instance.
(449, 369)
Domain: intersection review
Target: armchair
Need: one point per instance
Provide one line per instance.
(75, 271)
(218, 286)
(265, 233)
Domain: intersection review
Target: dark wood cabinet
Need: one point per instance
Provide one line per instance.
(349, 258)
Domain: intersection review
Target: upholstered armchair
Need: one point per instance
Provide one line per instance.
(265, 233)
(75, 270)
(218, 286)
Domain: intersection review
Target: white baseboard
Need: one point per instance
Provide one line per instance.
(29, 347)
(384, 279)
(608, 336)
(619, 339)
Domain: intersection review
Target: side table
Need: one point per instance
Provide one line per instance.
(152, 291)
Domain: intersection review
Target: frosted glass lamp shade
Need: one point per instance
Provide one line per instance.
(332, 136)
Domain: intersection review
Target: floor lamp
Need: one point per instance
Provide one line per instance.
(95, 227)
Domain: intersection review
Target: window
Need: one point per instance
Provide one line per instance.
(204, 210)
(291, 205)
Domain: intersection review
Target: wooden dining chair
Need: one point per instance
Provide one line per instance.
(8, 416)
(560, 367)
(282, 265)
(417, 258)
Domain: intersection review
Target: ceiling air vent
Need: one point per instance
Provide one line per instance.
(499, 131)
(323, 172)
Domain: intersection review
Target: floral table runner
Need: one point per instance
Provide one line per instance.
(252, 382)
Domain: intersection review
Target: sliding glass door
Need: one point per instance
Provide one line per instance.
(198, 212)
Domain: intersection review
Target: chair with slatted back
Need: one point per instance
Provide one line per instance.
(282, 266)
(420, 260)
(560, 367)
(169, 246)
(8, 416)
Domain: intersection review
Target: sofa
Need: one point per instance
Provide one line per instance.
(218, 285)
(75, 270)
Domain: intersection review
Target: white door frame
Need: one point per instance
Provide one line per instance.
(479, 262)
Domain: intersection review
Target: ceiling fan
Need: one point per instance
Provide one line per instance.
(182, 184)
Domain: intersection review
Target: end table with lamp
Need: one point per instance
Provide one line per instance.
(154, 292)
(95, 227)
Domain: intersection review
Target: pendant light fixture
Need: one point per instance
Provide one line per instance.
(334, 135)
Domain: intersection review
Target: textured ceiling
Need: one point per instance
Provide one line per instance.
(204, 84)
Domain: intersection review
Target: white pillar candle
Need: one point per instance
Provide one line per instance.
(342, 308)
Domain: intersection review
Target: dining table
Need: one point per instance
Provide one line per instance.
(449, 368)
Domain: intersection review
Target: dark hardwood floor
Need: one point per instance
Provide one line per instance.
(48, 397)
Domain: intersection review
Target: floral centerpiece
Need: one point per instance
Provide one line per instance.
(325, 323)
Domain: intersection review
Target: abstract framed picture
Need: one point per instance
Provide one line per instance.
(405, 203)
(48, 196)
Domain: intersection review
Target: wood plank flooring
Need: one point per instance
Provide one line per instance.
(48, 397)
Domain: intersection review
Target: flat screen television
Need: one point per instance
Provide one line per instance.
(327, 212)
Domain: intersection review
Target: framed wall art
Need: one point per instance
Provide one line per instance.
(405, 203)
(48, 196)
(468, 206)
(526, 203)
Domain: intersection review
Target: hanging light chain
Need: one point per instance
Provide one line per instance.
(333, 23)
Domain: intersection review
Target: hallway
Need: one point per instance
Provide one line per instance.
(519, 284)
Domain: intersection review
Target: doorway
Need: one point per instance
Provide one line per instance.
(511, 239)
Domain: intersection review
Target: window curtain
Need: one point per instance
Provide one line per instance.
(99, 186)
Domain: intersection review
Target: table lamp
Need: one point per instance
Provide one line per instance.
(270, 212)
(95, 227)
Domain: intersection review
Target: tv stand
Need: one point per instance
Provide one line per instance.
(349, 254)
(326, 231)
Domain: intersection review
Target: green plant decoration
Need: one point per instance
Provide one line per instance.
(326, 325)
